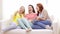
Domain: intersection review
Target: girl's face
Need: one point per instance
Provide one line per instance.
(30, 9)
(37, 8)
(22, 9)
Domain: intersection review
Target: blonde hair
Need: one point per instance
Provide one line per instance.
(23, 11)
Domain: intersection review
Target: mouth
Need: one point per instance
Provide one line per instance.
(29, 10)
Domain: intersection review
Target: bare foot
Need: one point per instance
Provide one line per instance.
(48, 27)
(28, 30)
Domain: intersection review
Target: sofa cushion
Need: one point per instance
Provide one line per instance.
(35, 31)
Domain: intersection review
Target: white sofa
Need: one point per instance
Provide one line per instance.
(34, 31)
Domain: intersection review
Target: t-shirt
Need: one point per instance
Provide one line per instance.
(16, 17)
(31, 16)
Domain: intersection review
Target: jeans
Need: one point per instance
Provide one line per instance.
(42, 24)
(36, 27)
(24, 23)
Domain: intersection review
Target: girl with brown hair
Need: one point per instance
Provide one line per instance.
(42, 19)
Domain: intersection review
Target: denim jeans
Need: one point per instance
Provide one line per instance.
(42, 24)
(24, 23)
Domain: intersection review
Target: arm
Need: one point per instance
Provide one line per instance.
(13, 16)
(26, 16)
(45, 16)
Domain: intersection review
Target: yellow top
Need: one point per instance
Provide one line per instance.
(15, 17)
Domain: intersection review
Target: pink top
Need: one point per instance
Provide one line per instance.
(31, 16)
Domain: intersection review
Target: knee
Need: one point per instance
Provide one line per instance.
(49, 22)
(18, 19)
(35, 23)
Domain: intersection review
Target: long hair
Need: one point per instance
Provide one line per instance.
(22, 12)
(33, 8)
(40, 8)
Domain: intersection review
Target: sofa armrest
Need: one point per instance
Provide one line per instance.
(55, 27)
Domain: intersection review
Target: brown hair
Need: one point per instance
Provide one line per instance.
(32, 8)
(40, 8)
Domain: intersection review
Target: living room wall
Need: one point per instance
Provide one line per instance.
(0, 9)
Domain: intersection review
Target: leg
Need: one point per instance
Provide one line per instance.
(46, 22)
(26, 22)
(18, 27)
(40, 24)
(34, 22)
(12, 26)
(36, 27)
(21, 24)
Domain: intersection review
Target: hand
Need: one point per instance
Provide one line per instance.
(30, 20)
(38, 18)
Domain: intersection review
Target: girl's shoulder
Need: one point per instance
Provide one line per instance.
(44, 11)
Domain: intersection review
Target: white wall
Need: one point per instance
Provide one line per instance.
(0, 9)
(10, 6)
(54, 8)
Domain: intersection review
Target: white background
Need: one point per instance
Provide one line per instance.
(11, 6)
